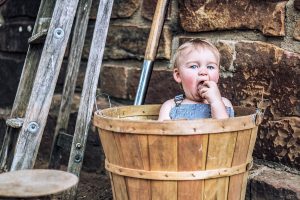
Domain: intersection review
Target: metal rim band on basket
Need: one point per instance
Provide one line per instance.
(184, 175)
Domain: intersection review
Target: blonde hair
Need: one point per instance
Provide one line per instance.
(195, 43)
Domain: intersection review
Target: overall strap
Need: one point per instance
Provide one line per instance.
(178, 99)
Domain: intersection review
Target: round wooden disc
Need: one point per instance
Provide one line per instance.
(35, 182)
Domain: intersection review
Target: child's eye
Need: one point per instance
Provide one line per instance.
(194, 66)
(210, 67)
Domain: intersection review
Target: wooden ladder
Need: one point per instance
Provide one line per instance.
(34, 95)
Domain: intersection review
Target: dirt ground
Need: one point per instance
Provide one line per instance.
(94, 186)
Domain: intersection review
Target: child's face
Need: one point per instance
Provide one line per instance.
(194, 66)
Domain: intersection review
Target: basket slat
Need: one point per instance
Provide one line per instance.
(218, 156)
(163, 156)
(130, 148)
(249, 157)
(112, 154)
(239, 157)
(191, 190)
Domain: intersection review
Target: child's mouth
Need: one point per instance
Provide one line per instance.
(201, 84)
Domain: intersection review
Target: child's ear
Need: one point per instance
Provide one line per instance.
(176, 75)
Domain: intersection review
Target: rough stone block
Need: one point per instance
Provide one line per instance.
(250, 69)
(20, 8)
(113, 81)
(129, 42)
(148, 9)
(261, 67)
(268, 184)
(297, 4)
(10, 73)
(121, 8)
(14, 36)
(278, 141)
(297, 31)
(266, 16)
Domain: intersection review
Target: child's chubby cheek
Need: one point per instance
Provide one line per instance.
(190, 84)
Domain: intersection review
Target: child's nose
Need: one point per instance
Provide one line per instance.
(202, 71)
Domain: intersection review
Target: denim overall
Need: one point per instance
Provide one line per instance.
(193, 111)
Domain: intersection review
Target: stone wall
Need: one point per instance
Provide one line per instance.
(259, 42)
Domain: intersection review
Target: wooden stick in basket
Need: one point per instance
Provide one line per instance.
(152, 44)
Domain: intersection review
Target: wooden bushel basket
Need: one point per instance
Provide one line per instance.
(180, 159)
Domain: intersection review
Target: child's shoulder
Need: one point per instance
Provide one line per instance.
(169, 103)
(165, 109)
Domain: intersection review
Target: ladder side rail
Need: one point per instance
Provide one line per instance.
(89, 87)
(151, 50)
(88, 95)
(25, 85)
(79, 33)
(44, 85)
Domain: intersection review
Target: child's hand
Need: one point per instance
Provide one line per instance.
(210, 92)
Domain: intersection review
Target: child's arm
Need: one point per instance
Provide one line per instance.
(212, 94)
(164, 113)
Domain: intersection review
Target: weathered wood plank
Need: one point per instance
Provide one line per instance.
(90, 84)
(239, 157)
(44, 85)
(191, 157)
(249, 157)
(163, 157)
(219, 154)
(111, 149)
(82, 18)
(132, 148)
(25, 86)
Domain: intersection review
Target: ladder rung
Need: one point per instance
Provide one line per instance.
(64, 140)
(38, 38)
(41, 33)
(15, 122)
